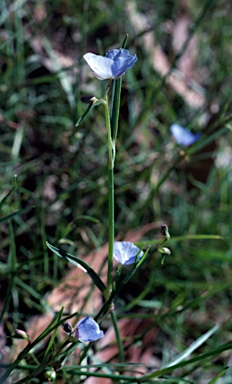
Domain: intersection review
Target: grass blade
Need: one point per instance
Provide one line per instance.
(80, 264)
(196, 344)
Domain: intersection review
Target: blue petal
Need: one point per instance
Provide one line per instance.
(126, 252)
(123, 60)
(183, 136)
(113, 65)
(114, 53)
(88, 329)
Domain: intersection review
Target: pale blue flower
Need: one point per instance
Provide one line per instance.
(183, 136)
(126, 252)
(111, 66)
(88, 330)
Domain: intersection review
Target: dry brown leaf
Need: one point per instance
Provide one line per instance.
(187, 62)
(58, 55)
(159, 59)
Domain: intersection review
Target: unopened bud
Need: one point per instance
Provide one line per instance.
(67, 327)
(50, 375)
(88, 99)
(165, 250)
(20, 334)
(164, 231)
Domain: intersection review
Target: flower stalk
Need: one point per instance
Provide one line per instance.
(112, 67)
(111, 160)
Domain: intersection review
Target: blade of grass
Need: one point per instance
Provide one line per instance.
(200, 358)
(15, 214)
(80, 264)
(196, 344)
(51, 341)
(12, 268)
(2, 202)
(220, 374)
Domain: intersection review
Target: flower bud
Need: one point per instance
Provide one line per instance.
(19, 334)
(88, 99)
(50, 375)
(165, 250)
(67, 327)
(164, 231)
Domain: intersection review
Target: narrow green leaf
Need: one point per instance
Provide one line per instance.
(196, 344)
(15, 214)
(89, 218)
(211, 353)
(125, 41)
(51, 342)
(88, 109)
(215, 379)
(96, 102)
(2, 202)
(80, 264)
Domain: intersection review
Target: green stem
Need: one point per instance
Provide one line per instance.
(111, 143)
(118, 337)
(116, 96)
(112, 130)
(111, 229)
(111, 158)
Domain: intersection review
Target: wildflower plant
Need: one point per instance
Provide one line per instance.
(90, 328)
(111, 67)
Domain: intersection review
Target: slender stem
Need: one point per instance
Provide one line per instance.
(112, 130)
(111, 158)
(116, 96)
(118, 337)
(115, 107)
(111, 144)
(111, 229)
